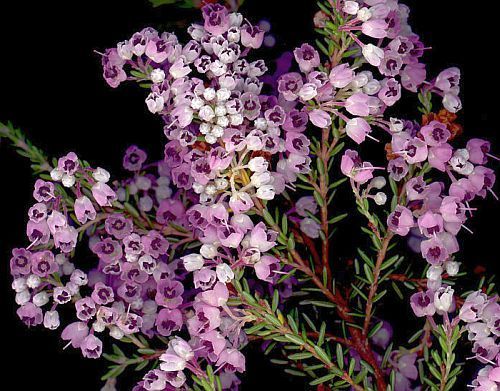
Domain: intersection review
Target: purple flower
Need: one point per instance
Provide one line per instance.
(169, 293)
(68, 164)
(289, 85)
(478, 150)
(252, 36)
(108, 250)
(91, 346)
(30, 314)
(43, 263)
(134, 158)
(265, 267)
(44, 191)
(390, 92)
(435, 133)
(20, 263)
(448, 80)
(232, 360)
(357, 104)
(341, 76)
(216, 19)
(307, 57)
(155, 244)
(398, 168)
(118, 226)
(168, 320)
(102, 294)
(422, 303)
(434, 251)
(400, 221)
(375, 28)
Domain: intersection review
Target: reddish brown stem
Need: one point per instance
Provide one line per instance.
(376, 275)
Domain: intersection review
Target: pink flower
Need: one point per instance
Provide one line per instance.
(84, 209)
(252, 36)
(353, 167)
(265, 267)
(357, 104)
(357, 129)
(341, 76)
(320, 118)
(375, 28)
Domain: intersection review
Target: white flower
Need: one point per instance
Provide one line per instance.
(261, 178)
(443, 299)
(40, 299)
(364, 14)
(157, 76)
(221, 183)
(115, 332)
(209, 94)
(308, 91)
(23, 297)
(434, 272)
(56, 174)
(181, 348)
(33, 281)
(452, 103)
(266, 192)
(373, 54)
(396, 125)
(236, 119)
(19, 284)
(193, 262)
(209, 251)
(68, 180)
(155, 102)
(51, 320)
(206, 113)
(224, 273)
(258, 164)
(217, 131)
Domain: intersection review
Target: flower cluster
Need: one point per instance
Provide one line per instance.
(184, 253)
(137, 287)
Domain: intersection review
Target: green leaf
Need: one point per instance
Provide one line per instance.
(322, 379)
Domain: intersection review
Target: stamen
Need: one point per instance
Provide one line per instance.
(467, 229)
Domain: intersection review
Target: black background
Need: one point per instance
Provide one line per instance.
(51, 86)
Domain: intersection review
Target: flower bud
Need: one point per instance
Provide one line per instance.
(378, 182)
(452, 268)
(33, 281)
(380, 198)
(40, 299)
